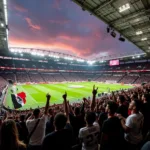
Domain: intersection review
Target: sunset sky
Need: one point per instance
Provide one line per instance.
(61, 25)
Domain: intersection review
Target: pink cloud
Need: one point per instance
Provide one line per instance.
(32, 25)
(20, 8)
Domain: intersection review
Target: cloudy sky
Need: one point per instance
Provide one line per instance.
(61, 25)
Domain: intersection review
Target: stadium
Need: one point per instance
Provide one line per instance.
(71, 47)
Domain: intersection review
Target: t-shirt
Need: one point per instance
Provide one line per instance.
(58, 140)
(112, 129)
(135, 123)
(49, 125)
(39, 133)
(77, 123)
(89, 137)
(146, 113)
(123, 110)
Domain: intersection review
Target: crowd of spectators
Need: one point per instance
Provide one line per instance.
(37, 77)
(116, 121)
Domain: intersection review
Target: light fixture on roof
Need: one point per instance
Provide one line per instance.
(124, 7)
(108, 29)
(113, 34)
(121, 39)
(2, 25)
(133, 57)
(138, 56)
(144, 39)
(139, 32)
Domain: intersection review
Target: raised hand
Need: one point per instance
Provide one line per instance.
(48, 96)
(94, 90)
(65, 96)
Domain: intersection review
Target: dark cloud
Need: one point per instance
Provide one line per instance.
(61, 25)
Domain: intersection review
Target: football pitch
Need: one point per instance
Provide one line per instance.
(36, 93)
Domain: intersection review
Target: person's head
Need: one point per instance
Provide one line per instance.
(121, 99)
(135, 106)
(111, 107)
(9, 135)
(60, 121)
(77, 111)
(90, 118)
(36, 113)
(146, 97)
(22, 118)
(51, 111)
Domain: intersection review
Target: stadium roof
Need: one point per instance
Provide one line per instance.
(131, 18)
(3, 25)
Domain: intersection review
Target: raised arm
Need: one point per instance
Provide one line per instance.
(48, 96)
(94, 92)
(65, 104)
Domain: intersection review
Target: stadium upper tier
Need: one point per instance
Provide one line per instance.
(55, 65)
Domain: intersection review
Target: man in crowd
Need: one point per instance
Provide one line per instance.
(111, 138)
(49, 125)
(133, 126)
(61, 138)
(122, 109)
(89, 135)
(146, 113)
(36, 127)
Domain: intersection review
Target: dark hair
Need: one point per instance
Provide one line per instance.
(22, 118)
(77, 111)
(60, 121)
(36, 112)
(121, 98)
(50, 111)
(90, 117)
(112, 106)
(147, 97)
(138, 105)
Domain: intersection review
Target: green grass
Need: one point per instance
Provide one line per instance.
(36, 93)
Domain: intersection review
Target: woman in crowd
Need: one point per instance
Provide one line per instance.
(9, 137)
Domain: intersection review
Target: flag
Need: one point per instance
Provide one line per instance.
(18, 99)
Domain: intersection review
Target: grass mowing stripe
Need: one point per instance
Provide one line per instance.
(36, 93)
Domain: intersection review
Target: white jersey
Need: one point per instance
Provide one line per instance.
(89, 137)
(39, 133)
(135, 123)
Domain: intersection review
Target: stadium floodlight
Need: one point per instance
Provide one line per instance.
(133, 57)
(139, 32)
(90, 62)
(12, 50)
(144, 39)
(113, 34)
(5, 11)
(138, 56)
(34, 53)
(68, 58)
(80, 60)
(108, 29)
(2, 25)
(124, 7)
(121, 39)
